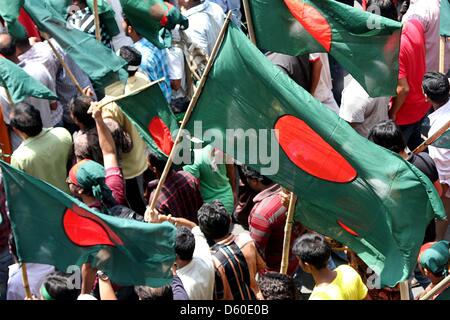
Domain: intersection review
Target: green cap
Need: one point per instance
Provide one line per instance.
(435, 258)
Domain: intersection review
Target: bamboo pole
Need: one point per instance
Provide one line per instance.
(437, 288)
(433, 138)
(288, 233)
(63, 63)
(404, 290)
(26, 284)
(189, 110)
(98, 35)
(442, 44)
(248, 17)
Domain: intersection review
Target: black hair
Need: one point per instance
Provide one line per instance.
(184, 244)
(132, 56)
(156, 294)
(79, 107)
(27, 119)
(277, 286)
(253, 174)
(156, 162)
(312, 249)
(213, 220)
(8, 48)
(59, 286)
(388, 135)
(386, 7)
(436, 86)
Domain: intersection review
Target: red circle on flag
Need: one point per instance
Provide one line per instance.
(312, 20)
(308, 151)
(161, 134)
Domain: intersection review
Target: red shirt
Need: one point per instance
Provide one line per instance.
(412, 67)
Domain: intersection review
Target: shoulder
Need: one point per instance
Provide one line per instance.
(62, 134)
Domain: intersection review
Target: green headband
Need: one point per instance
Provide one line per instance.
(45, 293)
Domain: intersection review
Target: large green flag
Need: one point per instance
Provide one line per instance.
(9, 11)
(19, 84)
(51, 227)
(366, 45)
(348, 188)
(99, 62)
(149, 112)
(445, 18)
(153, 19)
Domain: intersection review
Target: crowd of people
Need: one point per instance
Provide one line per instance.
(230, 219)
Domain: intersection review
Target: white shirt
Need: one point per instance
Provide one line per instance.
(198, 275)
(361, 110)
(36, 275)
(324, 90)
(175, 58)
(440, 156)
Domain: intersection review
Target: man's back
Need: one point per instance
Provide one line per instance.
(45, 156)
(297, 68)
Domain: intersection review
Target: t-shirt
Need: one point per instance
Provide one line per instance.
(412, 68)
(297, 68)
(214, 183)
(362, 111)
(325, 86)
(347, 285)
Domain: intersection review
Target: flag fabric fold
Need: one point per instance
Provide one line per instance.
(348, 188)
(445, 18)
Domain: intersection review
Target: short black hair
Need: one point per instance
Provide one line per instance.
(79, 107)
(388, 135)
(184, 244)
(386, 7)
(436, 86)
(156, 294)
(27, 119)
(312, 249)
(277, 286)
(132, 56)
(253, 174)
(156, 162)
(8, 48)
(59, 286)
(214, 220)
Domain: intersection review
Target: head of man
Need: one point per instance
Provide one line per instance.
(312, 252)
(436, 88)
(277, 286)
(25, 121)
(78, 108)
(255, 180)
(129, 30)
(187, 4)
(184, 246)
(155, 164)
(8, 46)
(133, 58)
(59, 286)
(384, 8)
(214, 220)
(156, 294)
(433, 260)
(388, 135)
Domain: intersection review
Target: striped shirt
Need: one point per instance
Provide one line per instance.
(236, 262)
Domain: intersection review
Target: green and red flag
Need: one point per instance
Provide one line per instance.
(9, 11)
(365, 44)
(51, 227)
(445, 18)
(348, 188)
(153, 19)
(151, 115)
(20, 85)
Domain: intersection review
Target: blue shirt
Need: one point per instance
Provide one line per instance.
(154, 64)
(234, 6)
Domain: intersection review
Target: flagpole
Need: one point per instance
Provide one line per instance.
(189, 110)
(287, 234)
(63, 63)
(442, 43)
(248, 18)
(404, 290)
(433, 138)
(437, 288)
(98, 36)
(26, 284)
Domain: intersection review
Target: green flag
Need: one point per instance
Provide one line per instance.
(366, 45)
(53, 228)
(443, 141)
(9, 11)
(153, 19)
(350, 189)
(99, 62)
(149, 112)
(19, 84)
(445, 18)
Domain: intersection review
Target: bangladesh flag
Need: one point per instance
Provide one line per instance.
(99, 62)
(9, 11)
(151, 115)
(153, 19)
(53, 228)
(20, 85)
(366, 45)
(348, 188)
(445, 18)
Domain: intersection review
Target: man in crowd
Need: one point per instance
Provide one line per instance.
(277, 286)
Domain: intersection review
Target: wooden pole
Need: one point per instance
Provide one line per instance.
(189, 110)
(287, 234)
(63, 63)
(26, 284)
(98, 35)
(404, 290)
(437, 288)
(442, 45)
(248, 17)
(433, 138)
